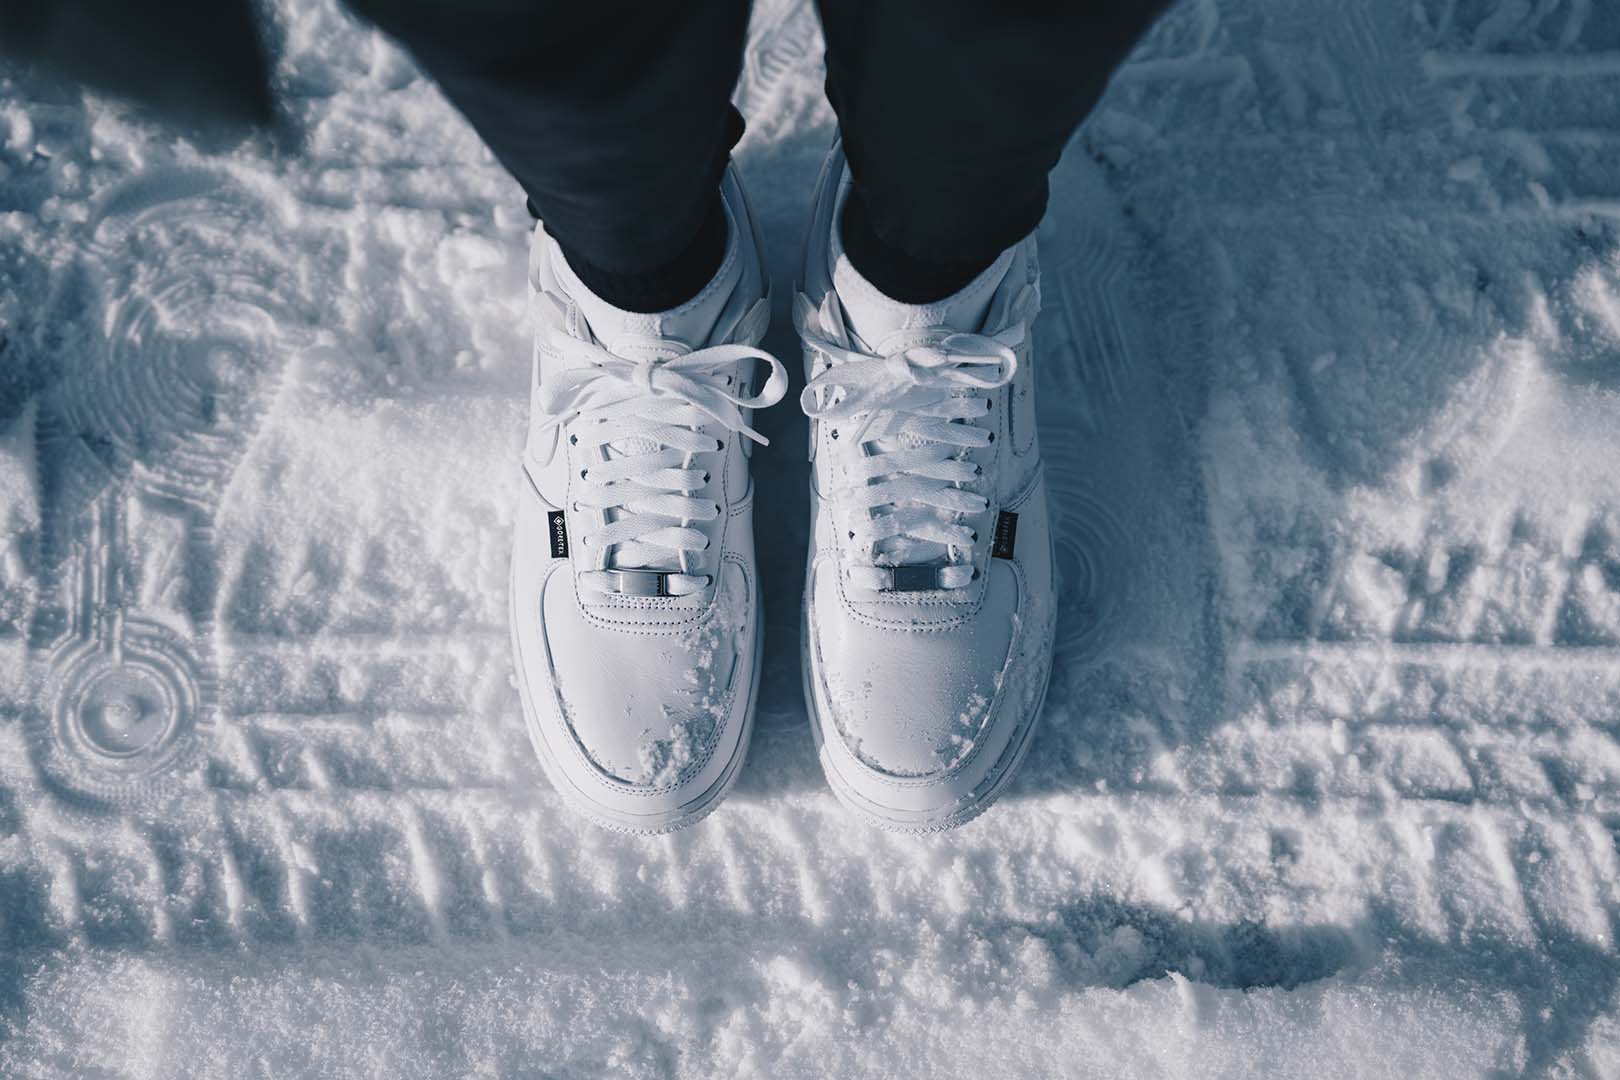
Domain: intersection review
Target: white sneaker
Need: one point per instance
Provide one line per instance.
(636, 621)
(928, 599)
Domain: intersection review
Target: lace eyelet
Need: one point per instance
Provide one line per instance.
(582, 473)
(705, 478)
(835, 433)
(992, 436)
(975, 538)
(573, 440)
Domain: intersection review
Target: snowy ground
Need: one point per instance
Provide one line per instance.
(1328, 783)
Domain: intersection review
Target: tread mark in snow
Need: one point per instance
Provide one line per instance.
(136, 445)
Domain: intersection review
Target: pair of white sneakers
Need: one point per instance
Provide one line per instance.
(928, 604)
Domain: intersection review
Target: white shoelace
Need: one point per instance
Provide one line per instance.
(919, 407)
(647, 413)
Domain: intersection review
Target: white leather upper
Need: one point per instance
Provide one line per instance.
(639, 704)
(924, 698)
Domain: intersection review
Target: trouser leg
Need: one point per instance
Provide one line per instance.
(953, 112)
(613, 115)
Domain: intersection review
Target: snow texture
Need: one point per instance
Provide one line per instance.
(1328, 783)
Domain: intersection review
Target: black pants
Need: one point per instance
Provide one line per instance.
(615, 115)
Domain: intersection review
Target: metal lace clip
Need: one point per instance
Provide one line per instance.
(639, 582)
(912, 579)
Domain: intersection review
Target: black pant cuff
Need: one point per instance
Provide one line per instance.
(896, 273)
(662, 287)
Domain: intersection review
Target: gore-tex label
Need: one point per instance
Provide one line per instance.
(1006, 535)
(557, 529)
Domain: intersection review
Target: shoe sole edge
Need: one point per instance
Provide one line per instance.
(921, 822)
(668, 821)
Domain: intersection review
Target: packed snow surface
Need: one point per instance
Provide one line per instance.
(1328, 783)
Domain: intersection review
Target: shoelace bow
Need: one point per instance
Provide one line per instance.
(651, 410)
(908, 490)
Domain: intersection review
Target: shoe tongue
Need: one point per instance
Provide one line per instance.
(638, 336)
(884, 325)
(631, 333)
